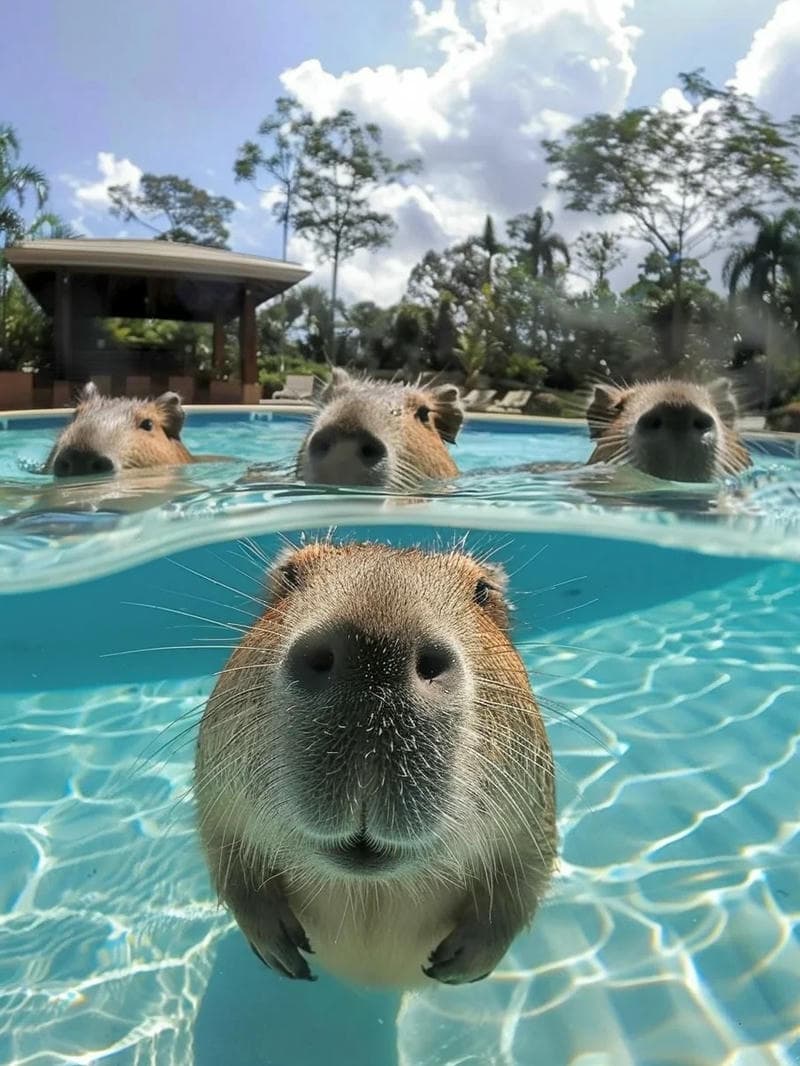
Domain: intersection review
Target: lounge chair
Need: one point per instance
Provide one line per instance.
(479, 399)
(299, 388)
(513, 402)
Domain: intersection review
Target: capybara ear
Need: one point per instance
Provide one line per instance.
(289, 568)
(172, 413)
(490, 593)
(606, 402)
(723, 396)
(88, 393)
(340, 382)
(448, 412)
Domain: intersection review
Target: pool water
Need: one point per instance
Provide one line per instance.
(663, 640)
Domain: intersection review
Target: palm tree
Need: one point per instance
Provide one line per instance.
(774, 252)
(15, 181)
(537, 246)
(770, 262)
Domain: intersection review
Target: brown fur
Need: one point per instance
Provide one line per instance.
(411, 424)
(457, 780)
(785, 419)
(634, 426)
(120, 434)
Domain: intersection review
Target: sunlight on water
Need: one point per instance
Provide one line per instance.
(670, 681)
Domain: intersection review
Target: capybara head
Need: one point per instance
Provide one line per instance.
(785, 419)
(375, 716)
(373, 776)
(668, 429)
(108, 435)
(381, 435)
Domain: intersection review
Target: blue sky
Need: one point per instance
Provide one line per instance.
(176, 85)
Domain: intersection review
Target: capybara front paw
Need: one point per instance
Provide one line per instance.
(277, 938)
(470, 953)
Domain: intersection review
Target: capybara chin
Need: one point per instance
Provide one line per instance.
(381, 435)
(108, 435)
(373, 777)
(668, 429)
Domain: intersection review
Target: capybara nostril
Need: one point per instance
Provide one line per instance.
(703, 422)
(74, 462)
(434, 660)
(650, 423)
(320, 444)
(372, 450)
(312, 659)
(101, 464)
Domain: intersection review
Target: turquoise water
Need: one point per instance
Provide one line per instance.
(661, 630)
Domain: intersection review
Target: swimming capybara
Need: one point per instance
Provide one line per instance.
(668, 429)
(373, 777)
(107, 435)
(381, 435)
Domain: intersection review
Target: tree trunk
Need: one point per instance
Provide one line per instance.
(678, 325)
(334, 283)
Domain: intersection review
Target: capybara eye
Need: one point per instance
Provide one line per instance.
(290, 577)
(146, 424)
(482, 592)
(704, 422)
(423, 414)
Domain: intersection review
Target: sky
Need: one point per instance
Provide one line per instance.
(101, 92)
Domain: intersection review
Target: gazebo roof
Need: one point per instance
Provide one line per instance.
(147, 278)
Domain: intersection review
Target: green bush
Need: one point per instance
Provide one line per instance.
(270, 382)
(525, 368)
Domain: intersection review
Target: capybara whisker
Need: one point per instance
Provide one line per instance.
(382, 787)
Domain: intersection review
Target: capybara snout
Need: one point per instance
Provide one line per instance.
(108, 435)
(379, 435)
(674, 430)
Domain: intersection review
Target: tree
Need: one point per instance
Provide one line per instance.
(677, 175)
(286, 129)
(773, 254)
(536, 246)
(599, 252)
(174, 210)
(770, 265)
(700, 311)
(342, 167)
(16, 180)
(491, 247)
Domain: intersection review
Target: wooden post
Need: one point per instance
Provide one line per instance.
(219, 343)
(62, 326)
(247, 338)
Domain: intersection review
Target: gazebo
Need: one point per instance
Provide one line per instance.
(82, 279)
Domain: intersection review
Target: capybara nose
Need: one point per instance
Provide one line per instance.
(683, 418)
(342, 657)
(360, 448)
(74, 462)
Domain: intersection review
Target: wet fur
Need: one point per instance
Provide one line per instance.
(112, 427)
(612, 415)
(452, 908)
(415, 423)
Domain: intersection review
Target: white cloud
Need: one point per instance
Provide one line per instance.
(525, 71)
(769, 70)
(93, 195)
